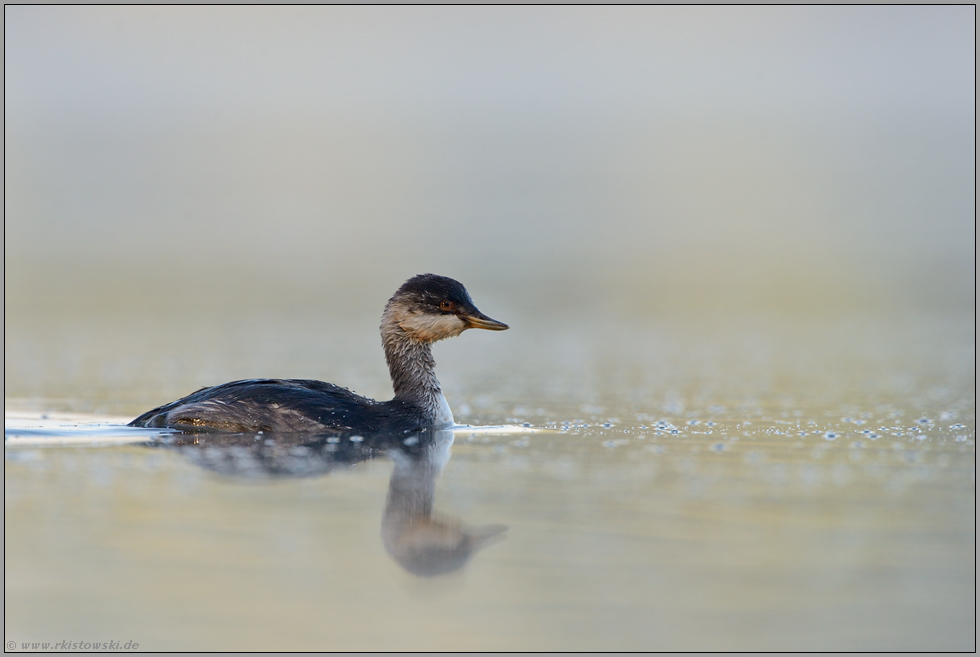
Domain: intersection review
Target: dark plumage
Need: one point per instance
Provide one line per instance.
(283, 405)
(425, 309)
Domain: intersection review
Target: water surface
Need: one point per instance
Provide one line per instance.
(736, 247)
(786, 484)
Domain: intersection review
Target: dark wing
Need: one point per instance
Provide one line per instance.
(271, 405)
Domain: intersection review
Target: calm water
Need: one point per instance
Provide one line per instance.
(804, 484)
(736, 247)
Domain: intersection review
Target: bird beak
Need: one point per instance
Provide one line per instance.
(476, 319)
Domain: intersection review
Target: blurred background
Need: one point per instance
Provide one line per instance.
(735, 245)
(637, 158)
(203, 171)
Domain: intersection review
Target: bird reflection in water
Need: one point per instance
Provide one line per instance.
(420, 542)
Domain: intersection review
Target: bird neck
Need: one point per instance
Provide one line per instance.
(413, 374)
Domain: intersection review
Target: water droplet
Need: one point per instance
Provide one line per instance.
(830, 435)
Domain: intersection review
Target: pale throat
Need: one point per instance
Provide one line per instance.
(413, 375)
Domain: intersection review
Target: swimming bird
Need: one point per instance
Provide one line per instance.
(425, 309)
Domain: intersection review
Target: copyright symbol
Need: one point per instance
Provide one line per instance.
(11, 645)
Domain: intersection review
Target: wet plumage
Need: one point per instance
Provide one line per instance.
(425, 309)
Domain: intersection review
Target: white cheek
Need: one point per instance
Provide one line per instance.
(432, 327)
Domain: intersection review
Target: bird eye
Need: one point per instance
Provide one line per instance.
(447, 306)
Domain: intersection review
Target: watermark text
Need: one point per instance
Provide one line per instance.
(72, 645)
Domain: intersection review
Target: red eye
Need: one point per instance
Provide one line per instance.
(447, 306)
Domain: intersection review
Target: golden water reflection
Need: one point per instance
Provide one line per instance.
(758, 484)
(423, 544)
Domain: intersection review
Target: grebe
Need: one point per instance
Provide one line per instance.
(425, 309)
